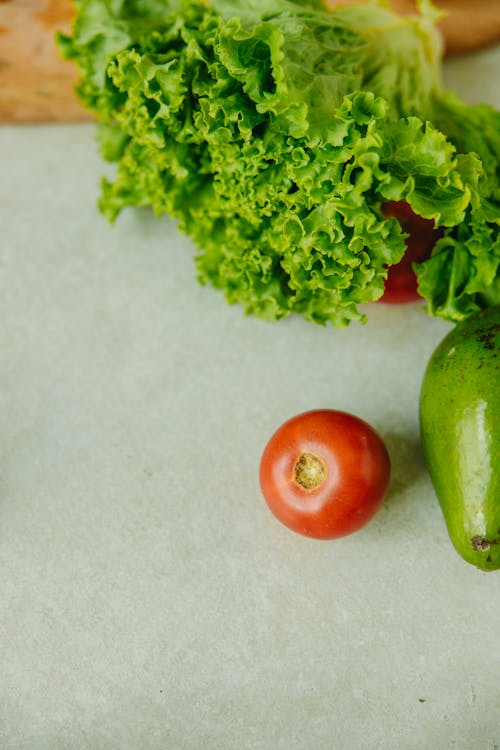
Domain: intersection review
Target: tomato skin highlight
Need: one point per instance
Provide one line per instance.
(350, 490)
(401, 285)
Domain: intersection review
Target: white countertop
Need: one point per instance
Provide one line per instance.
(148, 599)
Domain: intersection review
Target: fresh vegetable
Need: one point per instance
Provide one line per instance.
(275, 132)
(325, 473)
(460, 428)
(401, 284)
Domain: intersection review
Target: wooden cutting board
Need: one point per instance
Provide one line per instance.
(37, 86)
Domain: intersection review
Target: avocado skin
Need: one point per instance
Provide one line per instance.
(460, 433)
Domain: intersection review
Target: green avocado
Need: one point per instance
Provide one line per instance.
(460, 431)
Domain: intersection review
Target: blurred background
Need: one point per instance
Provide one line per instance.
(36, 86)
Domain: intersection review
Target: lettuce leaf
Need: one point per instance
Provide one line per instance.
(275, 132)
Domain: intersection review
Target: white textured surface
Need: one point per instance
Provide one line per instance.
(148, 598)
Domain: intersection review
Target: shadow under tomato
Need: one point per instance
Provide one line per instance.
(407, 463)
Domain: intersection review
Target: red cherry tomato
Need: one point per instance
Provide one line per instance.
(325, 473)
(401, 282)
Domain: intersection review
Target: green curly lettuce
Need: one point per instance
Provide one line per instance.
(274, 133)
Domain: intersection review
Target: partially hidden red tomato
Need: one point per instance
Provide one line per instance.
(401, 283)
(325, 473)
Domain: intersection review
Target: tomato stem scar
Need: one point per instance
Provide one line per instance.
(309, 471)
